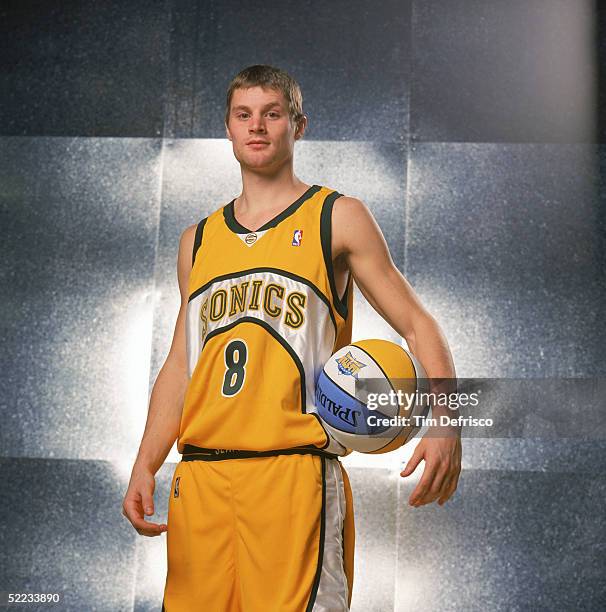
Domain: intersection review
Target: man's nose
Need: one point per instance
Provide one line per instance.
(257, 123)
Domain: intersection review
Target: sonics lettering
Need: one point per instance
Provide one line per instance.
(246, 297)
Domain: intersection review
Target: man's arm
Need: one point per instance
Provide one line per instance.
(358, 238)
(165, 408)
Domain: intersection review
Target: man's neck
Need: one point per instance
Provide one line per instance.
(261, 194)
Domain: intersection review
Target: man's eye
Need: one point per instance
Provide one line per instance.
(242, 115)
(273, 114)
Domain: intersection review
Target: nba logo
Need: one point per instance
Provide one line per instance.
(176, 494)
(297, 237)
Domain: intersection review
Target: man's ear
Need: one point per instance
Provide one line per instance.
(300, 129)
(227, 132)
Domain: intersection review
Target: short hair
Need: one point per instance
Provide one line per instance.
(269, 77)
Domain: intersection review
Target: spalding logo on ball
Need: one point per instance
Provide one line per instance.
(369, 396)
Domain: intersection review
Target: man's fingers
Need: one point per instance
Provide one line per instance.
(439, 484)
(450, 488)
(411, 466)
(448, 491)
(150, 529)
(144, 527)
(441, 473)
(432, 490)
(133, 510)
(148, 503)
(139, 502)
(424, 484)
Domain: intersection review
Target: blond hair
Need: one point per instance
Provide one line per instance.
(268, 77)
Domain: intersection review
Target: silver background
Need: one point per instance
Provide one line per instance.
(471, 129)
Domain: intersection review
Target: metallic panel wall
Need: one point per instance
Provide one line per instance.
(472, 130)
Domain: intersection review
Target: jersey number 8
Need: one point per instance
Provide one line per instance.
(235, 356)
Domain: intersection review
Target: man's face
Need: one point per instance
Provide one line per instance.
(262, 133)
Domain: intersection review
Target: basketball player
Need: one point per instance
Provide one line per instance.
(260, 511)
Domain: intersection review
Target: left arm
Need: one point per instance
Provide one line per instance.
(358, 238)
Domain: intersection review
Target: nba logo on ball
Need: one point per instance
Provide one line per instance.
(369, 394)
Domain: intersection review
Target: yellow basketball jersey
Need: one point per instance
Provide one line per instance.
(263, 317)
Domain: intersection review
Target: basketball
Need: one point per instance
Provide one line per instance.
(369, 396)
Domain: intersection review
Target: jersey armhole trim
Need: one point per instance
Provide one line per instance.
(198, 239)
(326, 241)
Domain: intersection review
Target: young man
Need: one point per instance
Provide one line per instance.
(260, 511)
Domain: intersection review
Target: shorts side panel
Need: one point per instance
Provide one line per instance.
(333, 589)
(349, 533)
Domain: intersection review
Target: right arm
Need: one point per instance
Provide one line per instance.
(165, 408)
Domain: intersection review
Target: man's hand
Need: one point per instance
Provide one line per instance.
(442, 468)
(139, 499)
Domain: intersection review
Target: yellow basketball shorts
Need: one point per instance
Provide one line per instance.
(270, 533)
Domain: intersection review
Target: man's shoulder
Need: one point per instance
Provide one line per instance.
(345, 206)
(349, 216)
(188, 236)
